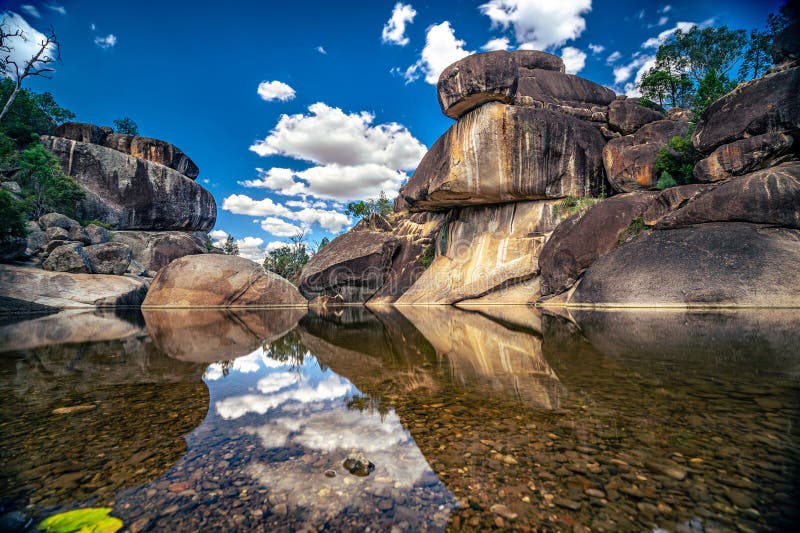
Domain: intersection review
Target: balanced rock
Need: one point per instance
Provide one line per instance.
(627, 116)
(500, 153)
(770, 196)
(732, 264)
(153, 250)
(213, 280)
(154, 150)
(68, 258)
(763, 105)
(630, 161)
(488, 248)
(109, 258)
(132, 193)
(565, 92)
(743, 156)
(580, 240)
(487, 77)
(81, 132)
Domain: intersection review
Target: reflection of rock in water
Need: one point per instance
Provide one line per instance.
(121, 433)
(209, 335)
(688, 341)
(70, 327)
(479, 350)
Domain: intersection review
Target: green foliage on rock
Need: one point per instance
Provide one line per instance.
(428, 255)
(31, 113)
(90, 520)
(96, 222)
(636, 226)
(230, 247)
(677, 160)
(45, 186)
(287, 261)
(665, 181)
(572, 205)
(710, 88)
(126, 125)
(12, 217)
(362, 209)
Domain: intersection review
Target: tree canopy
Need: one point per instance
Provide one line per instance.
(126, 125)
(362, 209)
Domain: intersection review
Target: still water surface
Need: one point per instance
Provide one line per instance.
(463, 418)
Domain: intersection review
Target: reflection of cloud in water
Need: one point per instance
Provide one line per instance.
(302, 410)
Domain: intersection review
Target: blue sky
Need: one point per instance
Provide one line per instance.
(217, 80)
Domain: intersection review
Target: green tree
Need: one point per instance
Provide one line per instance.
(230, 247)
(25, 117)
(677, 161)
(287, 261)
(323, 243)
(706, 49)
(126, 125)
(46, 187)
(48, 105)
(12, 217)
(362, 209)
(660, 85)
(710, 88)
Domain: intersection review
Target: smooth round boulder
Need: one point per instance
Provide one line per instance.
(56, 220)
(627, 116)
(213, 280)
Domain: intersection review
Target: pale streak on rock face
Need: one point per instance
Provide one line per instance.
(488, 248)
(480, 349)
(499, 153)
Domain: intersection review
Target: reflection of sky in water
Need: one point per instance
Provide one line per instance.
(302, 408)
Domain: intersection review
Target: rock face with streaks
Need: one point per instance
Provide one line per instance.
(216, 280)
(131, 193)
(501, 153)
(743, 156)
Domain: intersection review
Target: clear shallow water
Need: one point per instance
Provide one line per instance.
(473, 419)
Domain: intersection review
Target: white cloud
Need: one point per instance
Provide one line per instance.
(275, 90)
(394, 30)
(574, 59)
(441, 50)
(501, 43)
(23, 48)
(655, 42)
(106, 42)
(218, 237)
(242, 204)
(321, 50)
(344, 183)
(662, 21)
(613, 57)
(92, 26)
(540, 24)
(640, 14)
(596, 48)
(277, 179)
(666, 9)
(31, 10)
(57, 8)
(279, 227)
(329, 135)
(274, 245)
(251, 248)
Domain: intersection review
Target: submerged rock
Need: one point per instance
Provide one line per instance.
(213, 280)
(358, 465)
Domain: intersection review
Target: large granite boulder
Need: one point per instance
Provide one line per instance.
(36, 239)
(582, 239)
(153, 250)
(764, 105)
(770, 196)
(109, 258)
(488, 248)
(132, 193)
(500, 153)
(68, 258)
(743, 156)
(57, 220)
(487, 77)
(729, 264)
(63, 290)
(566, 92)
(630, 161)
(353, 266)
(627, 116)
(216, 280)
(154, 150)
(81, 132)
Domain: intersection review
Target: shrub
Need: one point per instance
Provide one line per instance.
(96, 222)
(427, 256)
(636, 226)
(571, 205)
(677, 159)
(12, 217)
(666, 181)
(47, 189)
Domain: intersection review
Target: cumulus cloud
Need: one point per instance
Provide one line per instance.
(441, 50)
(596, 48)
(279, 227)
(251, 248)
(275, 90)
(613, 57)
(500, 43)
(321, 50)
(329, 135)
(395, 29)
(574, 59)
(276, 213)
(23, 48)
(31, 10)
(539, 24)
(661, 38)
(218, 237)
(106, 42)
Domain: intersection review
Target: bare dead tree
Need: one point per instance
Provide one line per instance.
(48, 52)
